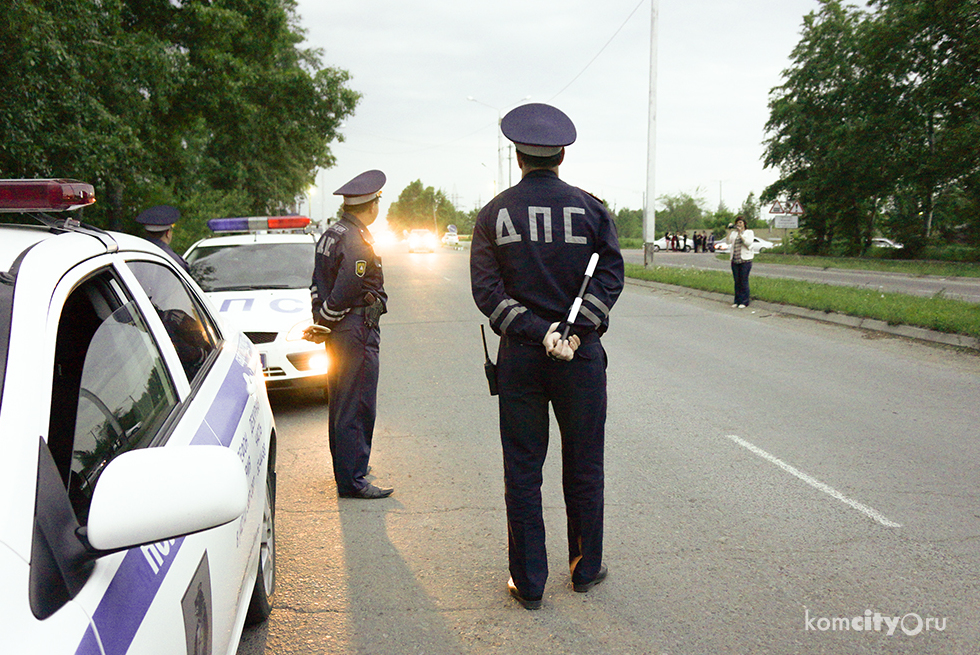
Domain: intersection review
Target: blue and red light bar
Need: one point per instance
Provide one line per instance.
(44, 195)
(258, 223)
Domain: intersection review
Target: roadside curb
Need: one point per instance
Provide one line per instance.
(907, 331)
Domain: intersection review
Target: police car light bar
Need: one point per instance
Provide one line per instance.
(259, 223)
(44, 195)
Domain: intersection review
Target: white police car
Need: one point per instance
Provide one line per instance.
(258, 276)
(138, 494)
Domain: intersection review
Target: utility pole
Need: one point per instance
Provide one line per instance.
(500, 139)
(649, 212)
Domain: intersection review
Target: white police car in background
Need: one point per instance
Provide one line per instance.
(258, 276)
(138, 493)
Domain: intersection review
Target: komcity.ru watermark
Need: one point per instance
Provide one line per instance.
(910, 624)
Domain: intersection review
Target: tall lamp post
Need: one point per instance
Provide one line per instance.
(649, 211)
(500, 138)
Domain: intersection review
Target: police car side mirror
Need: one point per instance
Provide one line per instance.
(154, 494)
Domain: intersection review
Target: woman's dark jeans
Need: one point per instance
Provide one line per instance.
(740, 271)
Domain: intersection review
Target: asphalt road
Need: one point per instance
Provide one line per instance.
(769, 482)
(958, 288)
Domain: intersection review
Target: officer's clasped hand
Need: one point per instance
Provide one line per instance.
(563, 350)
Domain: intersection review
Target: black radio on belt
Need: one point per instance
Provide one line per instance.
(489, 367)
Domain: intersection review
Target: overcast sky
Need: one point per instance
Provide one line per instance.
(416, 63)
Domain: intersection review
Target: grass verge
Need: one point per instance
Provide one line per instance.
(906, 267)
(941, 314)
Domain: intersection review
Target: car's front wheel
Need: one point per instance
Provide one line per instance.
(260, 606)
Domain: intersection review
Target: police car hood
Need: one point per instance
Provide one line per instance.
(263, 310)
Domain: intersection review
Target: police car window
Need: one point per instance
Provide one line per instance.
(111, 391)
(253, 266)
(6, 305)
(193, 334)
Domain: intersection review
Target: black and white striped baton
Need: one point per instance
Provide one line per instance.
(573, 312)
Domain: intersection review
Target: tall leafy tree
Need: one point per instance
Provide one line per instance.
(74, 86)
(930, 49)
(877, 120)
(829, 131)
(629, 223)
(206, 104)
(680, 212)
(422, 207)
(750, 210)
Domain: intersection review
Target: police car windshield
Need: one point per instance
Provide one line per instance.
(252, 266)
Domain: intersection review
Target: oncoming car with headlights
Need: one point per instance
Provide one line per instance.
(258, 276)
(421, 240)
(137, 504)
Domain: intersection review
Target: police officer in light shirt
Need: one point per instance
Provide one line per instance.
(531, 247)
(349, 298)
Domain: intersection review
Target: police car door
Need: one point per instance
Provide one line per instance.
(117, 387)
(211, 573)
(110, 393)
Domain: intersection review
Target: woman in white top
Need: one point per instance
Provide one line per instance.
(739, 239)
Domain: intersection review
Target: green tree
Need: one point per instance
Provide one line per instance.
(751, 211)
(720, 220)
(829, 127)
(930, 49)
(680, 212)
(421, 207)
(876, 124)
(629, 223)
(202, 101)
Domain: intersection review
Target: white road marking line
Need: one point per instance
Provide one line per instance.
(816, 484)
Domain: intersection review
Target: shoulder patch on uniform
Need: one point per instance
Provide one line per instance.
(595, 196)
(360, 267)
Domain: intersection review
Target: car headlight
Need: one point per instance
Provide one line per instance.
(319, 362)
(296, 332)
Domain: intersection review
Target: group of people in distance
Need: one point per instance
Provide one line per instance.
(701, 241)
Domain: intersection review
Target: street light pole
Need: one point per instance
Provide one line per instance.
(649, 213)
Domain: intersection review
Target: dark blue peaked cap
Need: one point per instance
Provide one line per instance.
(363, 188)
(159, 218)
(537, 129)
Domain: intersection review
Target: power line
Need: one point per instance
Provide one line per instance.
(601, 50)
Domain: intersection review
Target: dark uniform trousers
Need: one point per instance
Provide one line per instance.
(352, 385)
(528, 381)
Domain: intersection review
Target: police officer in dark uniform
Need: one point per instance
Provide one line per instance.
(349, 298)
(531, 248)
(158, 222)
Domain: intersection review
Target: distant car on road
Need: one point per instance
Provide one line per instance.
(421, 241)
(882, 242)
(758, 245)
(257, 272)
(661, 244)
(450, 239)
